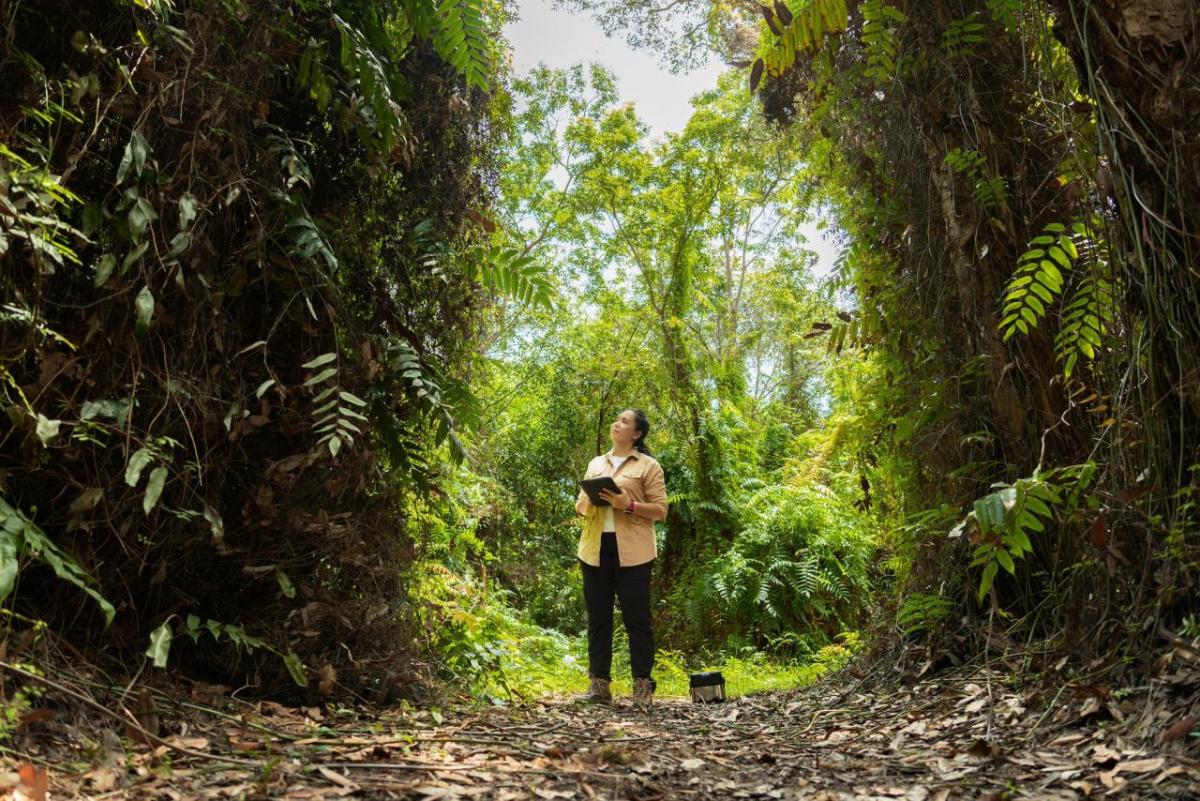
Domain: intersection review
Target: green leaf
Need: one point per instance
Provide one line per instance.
(1032, 502)
(193, 627)
(349, 398)
(322, 376)
(136, 150)
(140, 215)
(31, 540)
(323, 359)
(115, 410)
(296, 668)
(1051, 276)
(10, 563)
(323, 409)
(188, 206)
(215, 524)
(104, 269)
(46, 429)
(137, 463)
(160, 645)
(154, 488)
(133, 256)
(179, 243)
(1020, 542)
(1006, 561)
(458, 451)
(238, 636)
(263, 387)
(285, 583)
(985, 583)
(346, 411)
(141, 149)
(143, 306)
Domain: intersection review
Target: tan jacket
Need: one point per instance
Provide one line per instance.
(640, 476)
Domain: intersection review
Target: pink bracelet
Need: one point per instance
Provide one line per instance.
(632, 506)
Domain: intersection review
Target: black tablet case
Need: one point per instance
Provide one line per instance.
(592, 487)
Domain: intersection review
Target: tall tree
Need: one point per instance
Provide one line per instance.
(697, 231)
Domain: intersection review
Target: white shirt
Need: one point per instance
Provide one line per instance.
(609, 523)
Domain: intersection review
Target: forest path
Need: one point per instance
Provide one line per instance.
(962, 736)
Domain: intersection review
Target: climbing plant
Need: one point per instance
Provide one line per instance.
(238, 275)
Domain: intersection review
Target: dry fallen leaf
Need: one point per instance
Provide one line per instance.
(337, 778)
(1179, 730)
(1140, 765)
(34, 716)
(1168, 773)
(101, 779)
(328, 678)
(33, 783)
(1111, 780)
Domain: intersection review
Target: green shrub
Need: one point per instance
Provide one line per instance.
(799, 567)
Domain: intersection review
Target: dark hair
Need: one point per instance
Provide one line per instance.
(643, 425)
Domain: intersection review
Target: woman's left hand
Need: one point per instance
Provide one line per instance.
(619, 500)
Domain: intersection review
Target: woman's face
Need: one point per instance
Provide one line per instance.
(624, 429)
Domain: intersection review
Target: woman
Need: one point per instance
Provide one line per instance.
(616, 552)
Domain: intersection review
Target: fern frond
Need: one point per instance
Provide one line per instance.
(369, 73)
(988, 191)
(804, 33)
(1005, 12)
(921, 611)
(1005, 518)
(461, 39)
(1038, 279)
(961, 35)
(879, 39)
(1086, 318)
(517, 275)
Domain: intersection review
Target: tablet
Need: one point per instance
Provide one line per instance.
(592, 487)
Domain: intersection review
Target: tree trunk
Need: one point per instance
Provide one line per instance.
(1140, 62)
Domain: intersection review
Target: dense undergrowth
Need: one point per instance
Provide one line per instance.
(237, 307)
(490, 651)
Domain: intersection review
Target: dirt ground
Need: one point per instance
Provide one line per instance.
(964, 735)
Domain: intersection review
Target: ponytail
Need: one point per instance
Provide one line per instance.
(642, 424)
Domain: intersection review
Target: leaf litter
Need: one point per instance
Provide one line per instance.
(964, 734)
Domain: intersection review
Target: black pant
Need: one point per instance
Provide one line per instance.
(632, 586)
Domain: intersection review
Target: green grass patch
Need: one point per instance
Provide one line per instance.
(535, 662)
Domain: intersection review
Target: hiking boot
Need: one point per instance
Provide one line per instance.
(643, 693)
(599, 691)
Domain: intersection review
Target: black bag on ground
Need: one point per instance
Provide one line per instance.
(707, 688)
